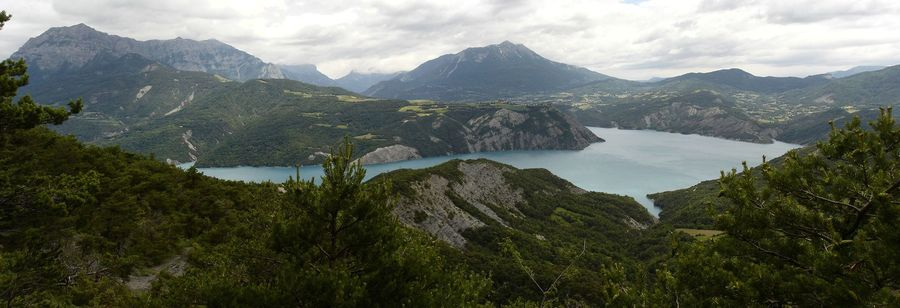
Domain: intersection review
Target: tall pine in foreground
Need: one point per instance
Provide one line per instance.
(820, 230)
(29, 270)
(328, 244)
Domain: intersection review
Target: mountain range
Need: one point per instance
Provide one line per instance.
(141, 102)
(100, 225)
(482, 73)
(66, 49)
(855, 70)
(133, 88)
(353, 81)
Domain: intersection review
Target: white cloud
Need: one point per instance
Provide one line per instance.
(629, 39)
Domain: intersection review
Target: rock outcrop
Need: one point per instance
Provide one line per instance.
(713, 121)
(537, 129)
(481, 185)
(703, 112)
(390, 154)
(456, 198)
(534, 128)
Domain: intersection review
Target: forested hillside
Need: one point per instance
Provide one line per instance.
(84, 225)
(503, 219)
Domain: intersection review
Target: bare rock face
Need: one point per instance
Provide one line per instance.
(482, 186)
(539, 129)
(534, 128)
(463, 202)
(434, 212)
(390, 154)
(69, 48)
(708, 121)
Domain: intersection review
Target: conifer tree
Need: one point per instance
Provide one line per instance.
(818, 230)
(24, 113)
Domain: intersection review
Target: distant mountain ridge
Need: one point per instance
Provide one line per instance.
(307, 73)
(480, 73)
(855, 70)
(63, 49)
(742, 80)
(353, 81)
(867, 89)
(360, 82)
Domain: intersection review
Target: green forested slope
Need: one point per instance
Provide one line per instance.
(285, 122)
(495, 213)
(121, 92)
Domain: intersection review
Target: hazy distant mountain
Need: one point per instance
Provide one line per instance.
(356, 82)
(360, 82)
(875, 88)
(493, 71)
(741, 80)
(64, 49)
(307, 73)
(653, 79)
(855, 70)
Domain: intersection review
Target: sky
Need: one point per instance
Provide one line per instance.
(630, 39)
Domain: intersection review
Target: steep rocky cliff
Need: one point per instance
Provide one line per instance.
(487, 129)
(452, 201)
(488, 211)
(702, 112)
(65, 49)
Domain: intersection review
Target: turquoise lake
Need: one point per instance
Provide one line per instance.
(631, 162)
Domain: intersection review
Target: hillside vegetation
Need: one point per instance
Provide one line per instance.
(494, 213)
(284, 122)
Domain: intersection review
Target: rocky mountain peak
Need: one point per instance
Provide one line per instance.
(79, 28)
(307, 73)
(505, 51)
(63, 49)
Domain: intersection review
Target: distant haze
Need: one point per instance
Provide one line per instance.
(628, 39)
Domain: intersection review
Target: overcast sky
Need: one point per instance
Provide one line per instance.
(631, 39)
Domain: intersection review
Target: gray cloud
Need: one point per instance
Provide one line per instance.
(629, 39)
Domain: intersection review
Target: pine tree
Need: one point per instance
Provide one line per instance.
(329, 244)
(819, 230)
(24, 113)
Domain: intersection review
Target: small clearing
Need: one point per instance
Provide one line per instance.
(700, 233)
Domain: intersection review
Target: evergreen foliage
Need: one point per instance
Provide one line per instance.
(24, 113)
(78, 223)
(329, 244)
(820, 230)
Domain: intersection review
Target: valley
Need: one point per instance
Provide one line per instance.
(190, 173)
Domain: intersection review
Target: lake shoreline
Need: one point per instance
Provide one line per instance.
(631, 163)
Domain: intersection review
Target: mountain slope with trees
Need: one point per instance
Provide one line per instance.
(283, 122)
(122, 92)
(77, 222)
(482, 73)
(487, 209)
